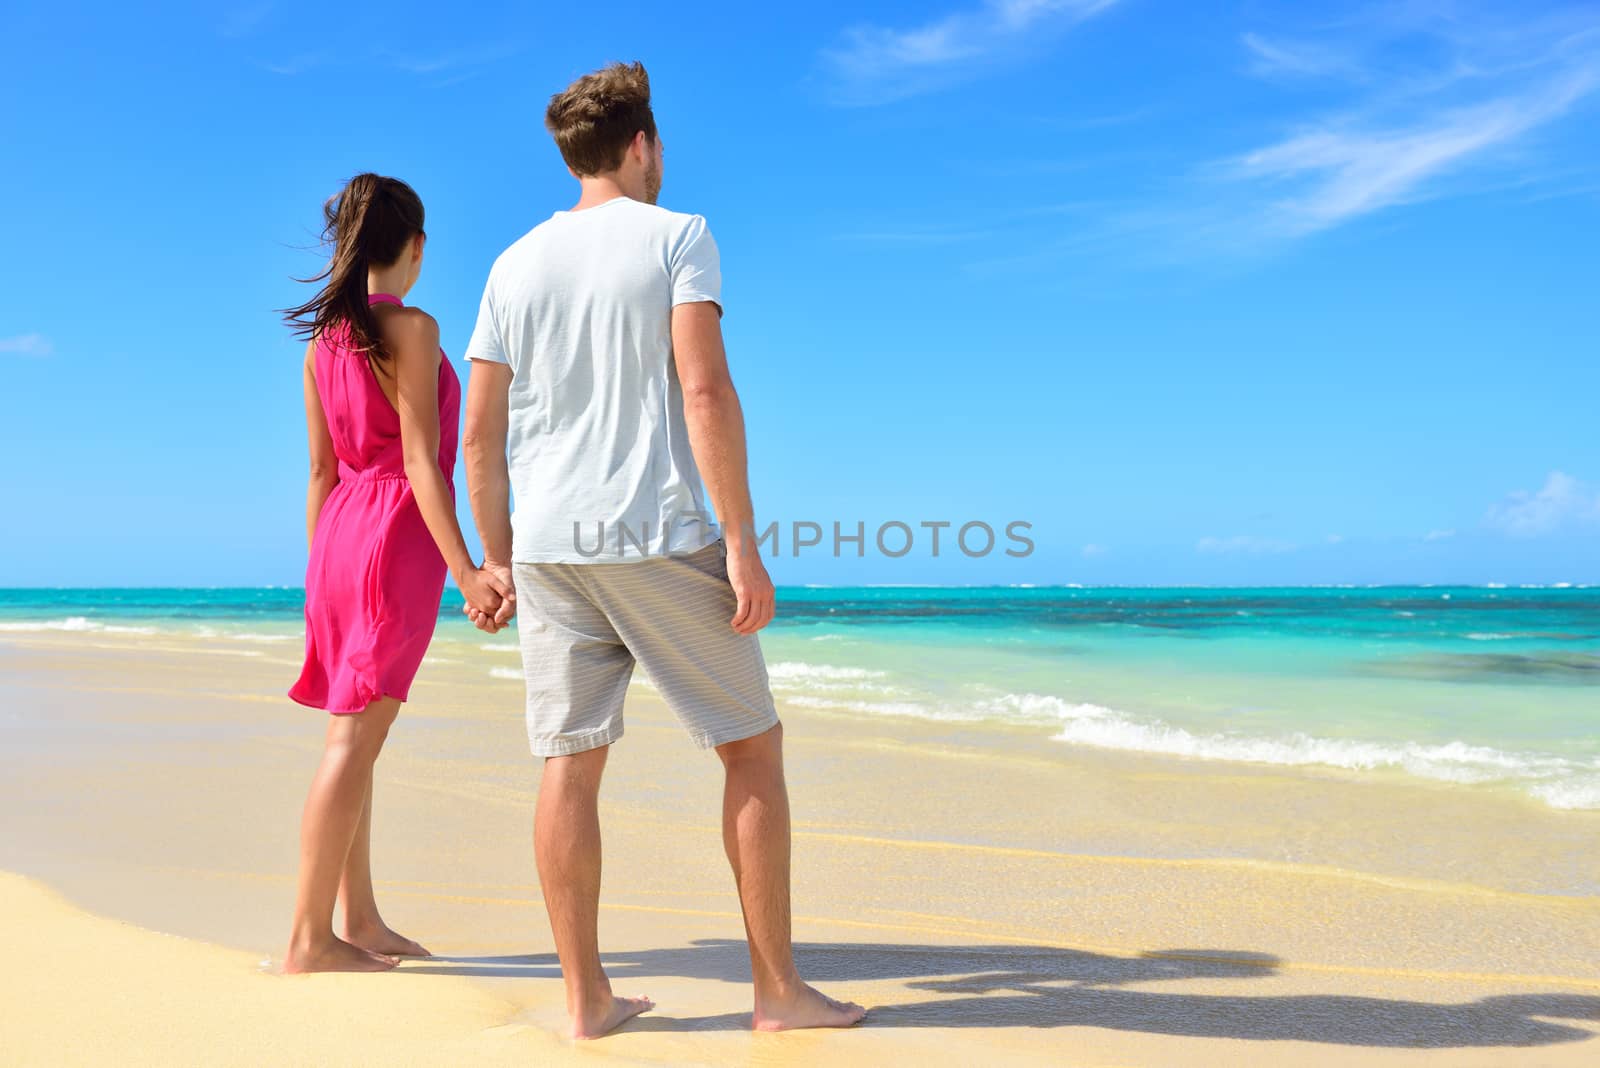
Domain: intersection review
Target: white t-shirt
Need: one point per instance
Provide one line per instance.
(580, 307)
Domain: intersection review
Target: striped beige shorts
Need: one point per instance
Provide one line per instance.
(584, 626)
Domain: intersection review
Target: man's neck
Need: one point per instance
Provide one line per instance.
(600, 189)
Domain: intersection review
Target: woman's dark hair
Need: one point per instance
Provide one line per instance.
(368, 223)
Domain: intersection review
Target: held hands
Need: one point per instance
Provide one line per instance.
(490, 599)
(751, 585)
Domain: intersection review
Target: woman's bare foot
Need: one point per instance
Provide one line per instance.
(384, 941)
(604, 1016)
(806, 1007)
(335, 955)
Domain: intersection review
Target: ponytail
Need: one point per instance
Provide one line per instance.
(368, 223)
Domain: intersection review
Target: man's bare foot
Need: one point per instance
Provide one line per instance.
(806, 1007)
(384, 941)
(335, 955)
(603, 1017)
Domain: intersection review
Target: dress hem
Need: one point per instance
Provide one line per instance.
(343, 711)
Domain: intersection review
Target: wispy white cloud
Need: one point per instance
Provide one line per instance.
(445, 67)
(1561, 503)
(27, 345)
(1243, 543)
(1438, 535)
(1092, 550)
(1412, 102)
(1340, 170)
(298, 64)
(451, 61)
(1412, 129)
(1415, 102)
(876, 64)
(917, 236)
(243, 21)
(1297, 59)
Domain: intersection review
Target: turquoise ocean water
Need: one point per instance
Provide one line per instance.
(1483, 687)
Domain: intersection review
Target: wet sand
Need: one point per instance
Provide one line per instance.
(996, 897)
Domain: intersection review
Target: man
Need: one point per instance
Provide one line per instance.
(599, 360)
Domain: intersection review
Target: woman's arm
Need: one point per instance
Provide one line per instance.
(412, 336)
(324, 465)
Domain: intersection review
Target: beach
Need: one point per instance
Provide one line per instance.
(994, 896)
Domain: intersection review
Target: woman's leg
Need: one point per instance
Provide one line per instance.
(327, 831)
(363, 926)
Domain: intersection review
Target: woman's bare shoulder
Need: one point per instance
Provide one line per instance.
(410, 334)
(408, 323)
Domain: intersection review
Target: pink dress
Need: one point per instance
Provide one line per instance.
(375, 577)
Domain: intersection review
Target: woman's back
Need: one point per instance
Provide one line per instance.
(376, 575)
(362, 420)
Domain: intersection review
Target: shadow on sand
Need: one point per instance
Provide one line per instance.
(1018, 986)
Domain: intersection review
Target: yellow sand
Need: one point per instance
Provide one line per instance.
(997, 898)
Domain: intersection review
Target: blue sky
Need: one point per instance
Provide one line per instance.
(1210, 293)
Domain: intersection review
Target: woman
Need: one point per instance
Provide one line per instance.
(382, 410)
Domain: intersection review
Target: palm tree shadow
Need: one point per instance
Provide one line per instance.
(1040, 987)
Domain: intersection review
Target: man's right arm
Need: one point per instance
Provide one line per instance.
(716, 435)
(483, 442)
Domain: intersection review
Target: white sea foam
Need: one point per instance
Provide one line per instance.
(505, 673)
(72, 623)
(1559, 782)
(790, 671)
(916, 709)
(1492, 637)
(1575, 793)
(1552, 779)
(842, 687)
(1031, 707)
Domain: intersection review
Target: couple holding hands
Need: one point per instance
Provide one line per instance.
(600, 397)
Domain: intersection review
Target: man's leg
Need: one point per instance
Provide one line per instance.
(576, 670)
(755, 833)
(566, 843)
(673, 613)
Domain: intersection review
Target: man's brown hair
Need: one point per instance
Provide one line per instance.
(594, 119)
